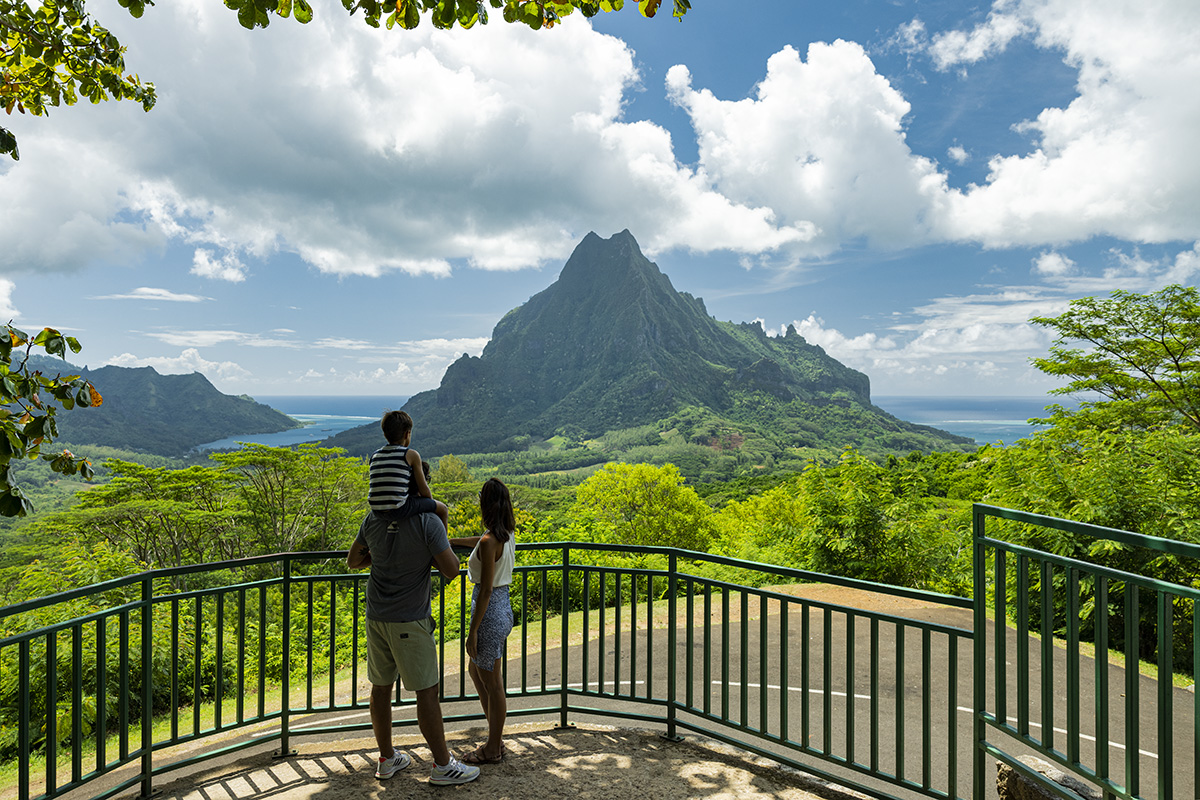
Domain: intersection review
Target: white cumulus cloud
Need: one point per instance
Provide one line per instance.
(1120, 159)
(1049, 262)
(420, 362)
(227, 267)
(993, 36)
(821, 145)
(8, 311)
(186, 362)
(363, 153)
(951, 342)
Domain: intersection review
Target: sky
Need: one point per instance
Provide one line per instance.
(330, 209)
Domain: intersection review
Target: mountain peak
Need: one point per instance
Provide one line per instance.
(611, 346)
(598, 264)
(607, 346)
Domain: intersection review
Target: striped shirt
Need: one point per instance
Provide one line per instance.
(390, 475)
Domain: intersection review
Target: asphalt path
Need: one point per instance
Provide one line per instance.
(904, 723)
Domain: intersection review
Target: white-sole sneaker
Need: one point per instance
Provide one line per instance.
(388, 767)
(454, 772)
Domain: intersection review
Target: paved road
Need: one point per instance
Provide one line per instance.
(839, 722)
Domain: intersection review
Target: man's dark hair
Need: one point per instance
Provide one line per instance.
(395, 424)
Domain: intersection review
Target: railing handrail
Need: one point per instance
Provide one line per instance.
(36, 603)
(1033, 572)
(1171, 546)
(1098, 569)
(758, 566)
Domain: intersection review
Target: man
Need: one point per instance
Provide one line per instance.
(400, 634)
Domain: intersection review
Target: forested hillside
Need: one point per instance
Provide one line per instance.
(164, 415)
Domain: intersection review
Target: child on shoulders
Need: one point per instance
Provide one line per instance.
(398, 486)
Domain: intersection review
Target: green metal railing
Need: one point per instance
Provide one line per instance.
(774, 674)
(1062, 704)
(103, 680)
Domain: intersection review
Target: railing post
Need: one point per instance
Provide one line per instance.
(672, 632)
(25, 693)
(978, 645)
(147, 688)
(285, 702)
(566, 578)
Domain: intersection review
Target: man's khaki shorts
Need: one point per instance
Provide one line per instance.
(406, 649)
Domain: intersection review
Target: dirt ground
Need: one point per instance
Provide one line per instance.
(579, 763)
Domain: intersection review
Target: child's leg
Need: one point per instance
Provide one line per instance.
(443, 514)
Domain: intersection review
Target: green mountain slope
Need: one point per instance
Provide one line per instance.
(166, 415)
(612, 346)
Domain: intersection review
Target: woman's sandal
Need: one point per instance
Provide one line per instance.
(476, 757)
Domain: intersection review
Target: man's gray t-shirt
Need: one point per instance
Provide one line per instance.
(399, 586)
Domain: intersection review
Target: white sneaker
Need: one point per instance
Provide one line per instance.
(453, 772)
(390, 766)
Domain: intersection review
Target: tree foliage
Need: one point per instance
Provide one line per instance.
(162, 517)
(55, 53)
(640, 504)
(1147, 482)
(254, 501)
(451, 469)
(28, 401)
(860, 519)
(1142, 358)
(306, 498)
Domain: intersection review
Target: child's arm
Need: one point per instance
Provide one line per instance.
(414, 461)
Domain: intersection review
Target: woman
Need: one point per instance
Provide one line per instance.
(490, 569)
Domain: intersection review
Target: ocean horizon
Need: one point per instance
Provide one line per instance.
(987, 420)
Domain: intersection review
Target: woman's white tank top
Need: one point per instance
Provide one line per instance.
(504, 567)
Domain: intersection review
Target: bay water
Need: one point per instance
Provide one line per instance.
(322, 415)
(985, 419)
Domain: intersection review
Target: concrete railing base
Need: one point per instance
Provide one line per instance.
(1012, 785)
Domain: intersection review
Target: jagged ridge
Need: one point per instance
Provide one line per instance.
(612, 345)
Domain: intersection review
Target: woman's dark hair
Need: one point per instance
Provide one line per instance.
(495, 505)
